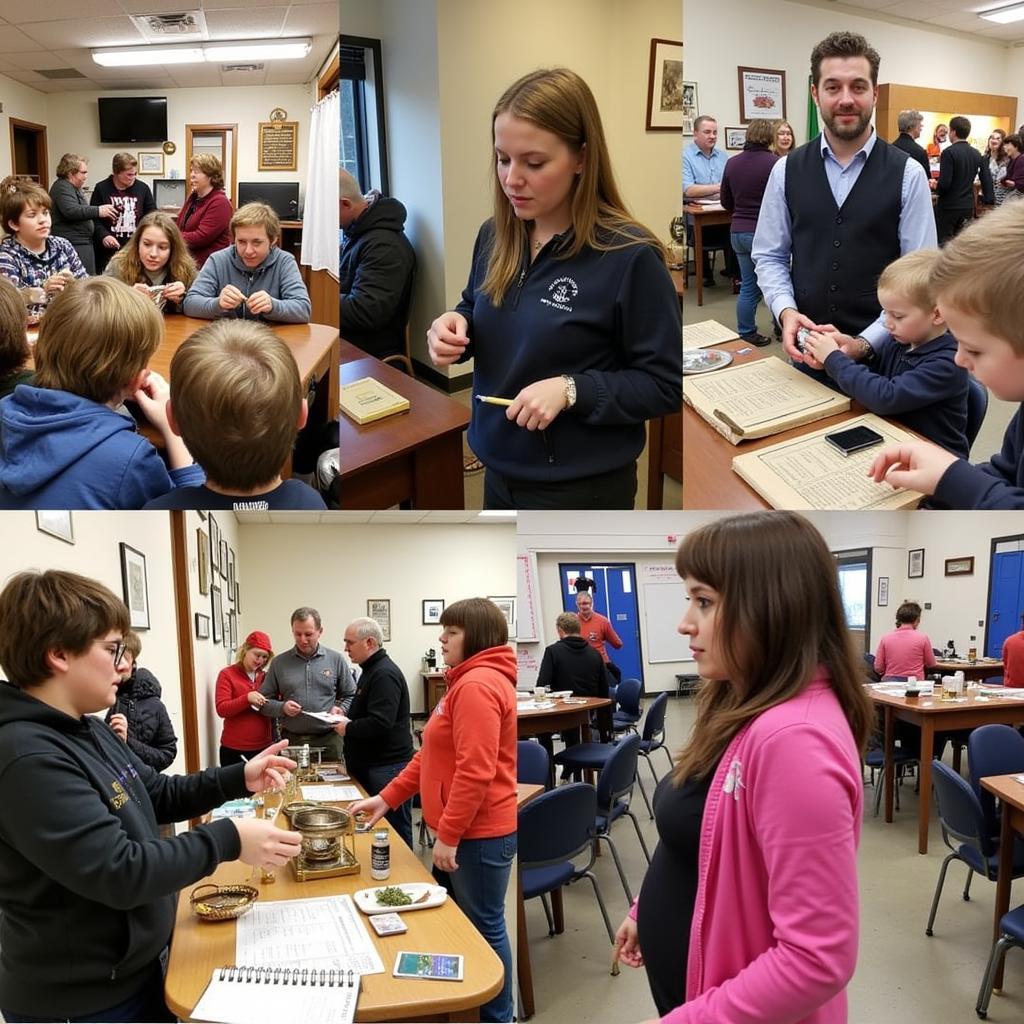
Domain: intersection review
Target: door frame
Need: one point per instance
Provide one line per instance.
(988, 583)
(39, 131)
(851, 554)
(210, 129)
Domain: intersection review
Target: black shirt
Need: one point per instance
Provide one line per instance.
(379, 732)
(289, 494)
(572, 664)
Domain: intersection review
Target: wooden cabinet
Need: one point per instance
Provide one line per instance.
(434, 687)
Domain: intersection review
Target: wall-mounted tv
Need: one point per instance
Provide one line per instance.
(133, 119)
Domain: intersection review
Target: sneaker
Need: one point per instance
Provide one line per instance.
(756, 339)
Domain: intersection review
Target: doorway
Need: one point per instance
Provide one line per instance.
(854, 569)
(615, 598)
(28, 151)
(1005, 592)
(222, 141)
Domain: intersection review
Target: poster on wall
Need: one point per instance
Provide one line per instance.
(379, 609)
(762, 93)
(666, 91)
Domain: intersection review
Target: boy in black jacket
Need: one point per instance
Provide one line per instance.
(87, 888)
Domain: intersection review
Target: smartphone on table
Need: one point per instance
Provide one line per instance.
(855, 439)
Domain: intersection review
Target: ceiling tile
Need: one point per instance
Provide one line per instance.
(77, 34)
(313, 19)
(13, 40)
(77, 11)
(245, 23)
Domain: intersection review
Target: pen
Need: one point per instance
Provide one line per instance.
(491, 400)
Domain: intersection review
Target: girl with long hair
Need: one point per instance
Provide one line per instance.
(156, 262)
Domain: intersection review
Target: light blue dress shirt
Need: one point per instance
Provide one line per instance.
(773, 239)
(699, 169)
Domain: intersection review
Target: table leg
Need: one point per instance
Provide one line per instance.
(437, 474)
(655, 471)
(698, 259)
(925, 799)
(888, 768)
(523, 969)
(1003, 880)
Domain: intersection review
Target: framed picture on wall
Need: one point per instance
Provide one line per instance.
(202, 627)
(203, 553)
(883, 591)
(214, 545)
(960, 566)
(231, 576)
(217, 613)
(57, 523)
(762, 93)
(379, 609)
(507, 606)
(666, 91)
(223, 563)
(136, 587)
(152, 162)
(915, 563)
(735, 138)
(432, 608)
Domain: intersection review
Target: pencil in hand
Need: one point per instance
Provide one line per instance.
(491, 400)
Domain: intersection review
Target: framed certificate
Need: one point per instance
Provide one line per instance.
(762, 93)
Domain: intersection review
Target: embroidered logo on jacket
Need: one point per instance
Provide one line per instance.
(734, 780)
(120, 797)
(562, 291)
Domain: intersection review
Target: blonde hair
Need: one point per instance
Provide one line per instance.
(256, 215)
(16, 195)
(209, 165)
(69, 164)
(779, 125)
(126, 265)
(980, 273)
(557, 100)
(14, 350)
(132, 643)
(568, 622)
(96, 336)
(122, 161)
(245, 648)
(236, 396)
(912, 278)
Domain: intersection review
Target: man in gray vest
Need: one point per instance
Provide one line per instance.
(838, 210)
(308, 678)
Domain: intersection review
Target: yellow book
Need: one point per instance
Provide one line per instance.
(366, 400)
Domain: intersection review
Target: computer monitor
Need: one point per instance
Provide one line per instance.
(170, 192)
(281, 196)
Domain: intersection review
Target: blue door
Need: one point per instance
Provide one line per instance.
(615, 598)
(1006, 594)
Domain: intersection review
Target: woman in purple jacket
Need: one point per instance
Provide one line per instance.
(749, 909)
(743, 185)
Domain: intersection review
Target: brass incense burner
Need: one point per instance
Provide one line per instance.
(328, 843)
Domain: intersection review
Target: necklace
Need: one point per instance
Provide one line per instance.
(537, 245)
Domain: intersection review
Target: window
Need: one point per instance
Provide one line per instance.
(363, 135)
(853, 583)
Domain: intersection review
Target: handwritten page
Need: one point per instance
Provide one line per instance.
(336, 794)
(760, 398)
(707, 332)
(325, 934)
(807, 473)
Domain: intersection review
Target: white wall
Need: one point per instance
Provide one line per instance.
(24, 104)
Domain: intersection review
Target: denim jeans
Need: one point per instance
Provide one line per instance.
(373, 781)
(480, 883)
(750, 294)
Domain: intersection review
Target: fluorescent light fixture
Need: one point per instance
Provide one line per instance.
(497, 514)
(213, 53)
(1004, 15)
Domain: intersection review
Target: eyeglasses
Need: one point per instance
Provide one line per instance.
(117, 652)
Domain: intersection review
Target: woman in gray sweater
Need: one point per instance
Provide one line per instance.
(72, 216)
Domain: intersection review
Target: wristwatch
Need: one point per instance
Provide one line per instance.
(570, 390)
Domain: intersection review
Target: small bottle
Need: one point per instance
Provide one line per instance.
(380, 856)
(972, 650)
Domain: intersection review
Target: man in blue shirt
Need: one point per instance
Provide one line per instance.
(703, 166)
(821, 242)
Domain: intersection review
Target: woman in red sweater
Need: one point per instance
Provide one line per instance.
(205, 218)
(238, 699)
(465, 773)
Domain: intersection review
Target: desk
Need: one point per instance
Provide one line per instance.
(1011, 795)
(679, 280)
(434, 688)
(413, 458)
(933, 716)
(664, 455)
(200, 947)
(524, 972)
(702, 218)
(975, 671)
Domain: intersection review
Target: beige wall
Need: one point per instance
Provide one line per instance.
(23, 104)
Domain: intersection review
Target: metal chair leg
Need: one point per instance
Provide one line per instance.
(967, 884)
(600, 903)
(643, 792)
(668, 754)
(547, 912)
(618, 865)
(999, 948)
(938, 893)
(640, 835)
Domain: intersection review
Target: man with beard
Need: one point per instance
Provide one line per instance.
(838, 210)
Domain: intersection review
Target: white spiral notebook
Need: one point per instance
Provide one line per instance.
(254, 995)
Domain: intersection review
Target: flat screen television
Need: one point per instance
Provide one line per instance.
(281, 196)
(132, 119)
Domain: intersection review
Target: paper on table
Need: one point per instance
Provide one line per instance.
(808, 473)
(324, 716)
(709, 203)
(707, 332)
(761, 398)
(325, 933)
(329, 793)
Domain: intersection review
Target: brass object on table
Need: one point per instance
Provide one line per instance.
(291, 809)
(328, 843)
(307, 762)
(221, 902)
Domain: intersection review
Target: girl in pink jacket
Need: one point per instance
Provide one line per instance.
(749, 910)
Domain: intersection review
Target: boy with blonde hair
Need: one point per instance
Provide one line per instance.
(253, 279)
(978, 281)
(63, 442)
(911, 375)
(237, 401)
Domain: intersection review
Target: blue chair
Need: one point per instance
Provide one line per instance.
(977, 406)
(874, 758)
(653, 736)
(533, 766)
(869, 660)
(963, 822)
(553, 829)
(627, 696)
(1011, 929)
(993, 750)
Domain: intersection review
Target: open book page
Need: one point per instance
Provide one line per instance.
(707, 332)
(809, 473)
(760, 398)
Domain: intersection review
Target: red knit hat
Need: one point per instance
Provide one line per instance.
(260, 641)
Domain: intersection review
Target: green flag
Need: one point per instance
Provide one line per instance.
(812, 112)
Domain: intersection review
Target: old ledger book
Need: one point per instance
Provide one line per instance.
(809, 473)
(760, 398)
(366, 400)
(707, 332)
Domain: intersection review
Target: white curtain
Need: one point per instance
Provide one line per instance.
(320, 219)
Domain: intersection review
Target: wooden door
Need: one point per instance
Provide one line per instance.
(222, 141)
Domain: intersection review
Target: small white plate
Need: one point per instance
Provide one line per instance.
(560, 694)
(704, 360)
(366, 899)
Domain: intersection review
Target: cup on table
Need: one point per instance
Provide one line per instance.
(539, 691)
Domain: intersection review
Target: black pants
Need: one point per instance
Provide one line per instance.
(228, 755)
(949, 223)
(615, 489)
(716, 236)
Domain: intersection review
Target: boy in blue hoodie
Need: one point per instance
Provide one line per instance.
(63, 442)
(253, 279)
(979, 280)
(912, 375)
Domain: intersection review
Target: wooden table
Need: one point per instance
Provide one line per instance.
(565, 718)
(933, 716)
(702, 218)
(524, 972)
(434, 688)
(198, 948)
(1010, 793)
(975, 670)
(664, 456)
(679, 280)
(412, 459)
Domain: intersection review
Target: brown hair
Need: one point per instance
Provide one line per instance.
(568, 622)
(14, 349)
(305, 612)
(484, 624)
(911, 277)
(778, 126)
(127, 266)
(780, 616)
(557, 100)
(16, 195)
(760, 131)
(843, 44)
(210, 166)
(1001, 156)
(54, 610)
(236, 396)
(980, 273)
(1015, 140)
(256, 215)
(69, 164)
(97, 335)
(122, 161)
(909, 611)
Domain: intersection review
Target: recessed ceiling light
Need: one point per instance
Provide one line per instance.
(248, 50)
(1004, 15)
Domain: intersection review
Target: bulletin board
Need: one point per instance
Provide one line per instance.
(664, 604)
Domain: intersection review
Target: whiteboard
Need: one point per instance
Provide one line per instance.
(664, 604)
